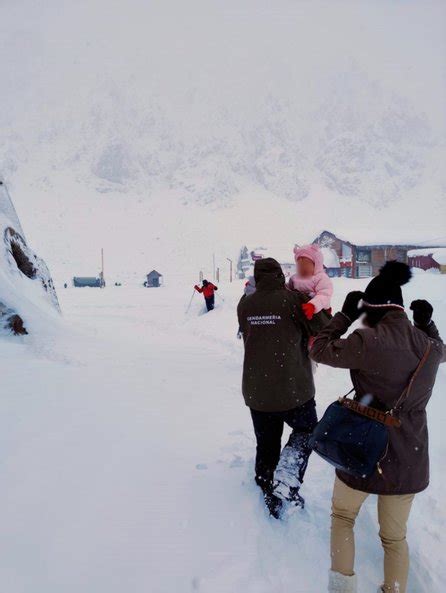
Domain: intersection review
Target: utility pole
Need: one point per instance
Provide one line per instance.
(230, 269)
(102, 268)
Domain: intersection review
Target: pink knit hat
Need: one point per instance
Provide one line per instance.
(314, 253)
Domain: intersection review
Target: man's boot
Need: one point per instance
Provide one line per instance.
(340, 583)
(289, 494)
(273, 503)
(291, 469)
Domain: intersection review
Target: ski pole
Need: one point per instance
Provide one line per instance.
(220, 297)
(190, 302)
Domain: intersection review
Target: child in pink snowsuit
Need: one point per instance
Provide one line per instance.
(311, 279)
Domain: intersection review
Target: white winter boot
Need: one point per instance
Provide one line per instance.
(339, 583)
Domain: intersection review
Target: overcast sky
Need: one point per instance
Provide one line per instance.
(53, 52)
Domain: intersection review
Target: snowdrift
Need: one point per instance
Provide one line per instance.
(27, 293)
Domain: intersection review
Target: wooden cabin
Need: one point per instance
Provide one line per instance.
(154, 279)
(428, 259)
(361, 260)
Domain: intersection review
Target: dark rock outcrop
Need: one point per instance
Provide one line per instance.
(24, 277)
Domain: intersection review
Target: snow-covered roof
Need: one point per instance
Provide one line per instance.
(331, 259)
(438, 254)
(373, 235)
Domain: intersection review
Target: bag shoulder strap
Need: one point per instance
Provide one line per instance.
(415, 374)
(386, 418)
(348, 393)
(371, 413)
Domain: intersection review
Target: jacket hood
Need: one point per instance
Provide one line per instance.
(268, 273)
(312, 252)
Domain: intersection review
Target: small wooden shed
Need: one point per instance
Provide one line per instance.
(154, 279)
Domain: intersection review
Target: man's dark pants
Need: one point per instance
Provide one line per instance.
(210, 302)
(268, 428)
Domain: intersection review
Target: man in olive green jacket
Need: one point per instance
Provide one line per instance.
(278, 384)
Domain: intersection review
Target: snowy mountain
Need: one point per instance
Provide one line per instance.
(308, 115)
(373, 155)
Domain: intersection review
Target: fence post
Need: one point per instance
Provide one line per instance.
(230, 269)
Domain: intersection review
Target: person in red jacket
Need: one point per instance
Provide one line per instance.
(208, 289)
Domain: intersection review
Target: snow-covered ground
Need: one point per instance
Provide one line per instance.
(127, 457)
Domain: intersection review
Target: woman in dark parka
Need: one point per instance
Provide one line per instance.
(382, 357)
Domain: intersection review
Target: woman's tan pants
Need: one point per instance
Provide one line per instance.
(393, 512)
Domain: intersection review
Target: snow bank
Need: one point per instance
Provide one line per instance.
(28, 299)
